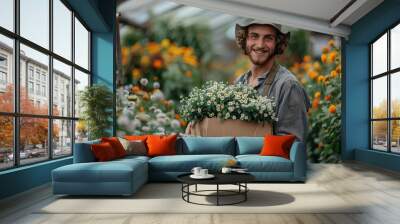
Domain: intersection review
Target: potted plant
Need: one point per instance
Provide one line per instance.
(219, 109)
(96, 102)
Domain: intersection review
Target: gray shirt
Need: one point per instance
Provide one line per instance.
(292, 102)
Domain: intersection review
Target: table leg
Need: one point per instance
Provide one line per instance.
(217, 194)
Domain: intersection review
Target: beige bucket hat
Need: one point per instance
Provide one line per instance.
(241, 34)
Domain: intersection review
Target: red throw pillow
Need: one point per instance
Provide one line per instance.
(277, 145)
(116, 145)
(103, 152)
(160, 145)
(136, 137)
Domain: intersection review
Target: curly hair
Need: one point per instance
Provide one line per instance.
(241, 35)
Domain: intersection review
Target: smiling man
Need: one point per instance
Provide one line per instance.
(262, 43)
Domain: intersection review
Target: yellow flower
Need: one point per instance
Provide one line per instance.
(144, 61)
(136, 73)
(317, 66)
(321, 78)
(306, 66)
(165, 43)
(190, 61)
(332, 108)
(323, 58)
(312, 74)
(307, 58)
(331, 43)
(317, 94)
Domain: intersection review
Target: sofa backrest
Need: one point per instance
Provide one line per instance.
(206, 145)
(83, 152)
(249, 145)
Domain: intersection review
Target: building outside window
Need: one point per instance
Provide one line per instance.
(385, 95)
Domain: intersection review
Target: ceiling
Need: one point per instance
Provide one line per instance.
(333, 17)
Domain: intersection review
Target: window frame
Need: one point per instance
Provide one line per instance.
(16, 114)
(388, 74)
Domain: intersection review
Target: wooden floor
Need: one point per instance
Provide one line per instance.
(377, 188)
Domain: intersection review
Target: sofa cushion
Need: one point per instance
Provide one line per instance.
(249, 145)
(103, 152)
(116, 145)
(206, 145)
(185, 163)
(111, 171)
(257, 163)
(277, 145)
(160, 145)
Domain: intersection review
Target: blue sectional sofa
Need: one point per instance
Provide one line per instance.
(125, 176)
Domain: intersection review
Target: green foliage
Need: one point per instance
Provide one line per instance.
(96, 103)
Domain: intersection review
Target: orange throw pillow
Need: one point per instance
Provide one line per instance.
(277, 145)
(161, 145)
(136, 137)
(103, 152)
(116, 145)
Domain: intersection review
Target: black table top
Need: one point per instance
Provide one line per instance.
(220, 178)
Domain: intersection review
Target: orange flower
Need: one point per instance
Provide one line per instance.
(135, 48)
(135, 89)
(157, 64)
(323, 58)
(188, 74)
(307, 58)
(136, 73)
(312, 74)
(315, 103)
(144, 61)
(339, 69)
(332, 109)
(334, 73)
(141, 109)
(317, 94)
(177, 116)
(183, 123)
(146, 96)
(306, 66)
(153, 48)
(328, 97)
(317, 66)
(332, 56)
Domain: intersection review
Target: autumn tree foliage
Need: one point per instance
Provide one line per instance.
(32, 130)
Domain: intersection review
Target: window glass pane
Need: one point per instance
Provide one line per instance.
(379, 55)
(62, 29)
(34, 97)
(81, 81)
(62, 138)
(379, 135)
(35, 21)
(6, 74)
(81, 45)
(7, 14)
(62, 89)
(395, 136)
(33, 139)
(395, 47)
(379, 97)
(6, 142)
(81, 131)
(395, 94)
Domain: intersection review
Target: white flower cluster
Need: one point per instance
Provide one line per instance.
(217, 99)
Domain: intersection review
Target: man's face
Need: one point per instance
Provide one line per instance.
(260, 43)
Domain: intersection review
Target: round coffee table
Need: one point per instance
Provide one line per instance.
(238, 179)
